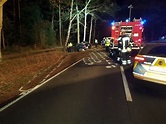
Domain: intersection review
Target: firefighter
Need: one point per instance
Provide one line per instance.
(69, 47)
(124, 49)
(107, 45)
(103, 42)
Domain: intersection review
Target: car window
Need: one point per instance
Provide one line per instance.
(159, 51)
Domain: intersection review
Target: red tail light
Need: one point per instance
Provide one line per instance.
(139, 59)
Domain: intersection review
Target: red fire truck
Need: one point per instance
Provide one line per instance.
(134, 29)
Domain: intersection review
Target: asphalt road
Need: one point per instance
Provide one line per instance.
(93, 91)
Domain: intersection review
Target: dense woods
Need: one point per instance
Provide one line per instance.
(50, 23)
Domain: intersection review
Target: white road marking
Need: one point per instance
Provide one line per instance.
(26, 92)
(94, 57)
(114, 66)
(109, 62)
(126, 87)
(89, 62)
(108, 66)
(100, 55)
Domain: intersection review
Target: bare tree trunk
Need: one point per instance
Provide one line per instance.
(19, 18)
(70, 23)
(52, 19)
(78, 25)
(60, 24)
(0, 44)
(1, 18)
(3, 40)
(16, 14)
(84, 38)
(90, 32)
(1, 12)
(94, 31)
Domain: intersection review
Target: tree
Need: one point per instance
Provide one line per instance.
(91, 27)
(60, 24)
(17, 25)
(80, 16)
(1, 17)
(85, 22)
(57, 4)
(72, 17)
(95, 9)
(73, 12)
(78, 24)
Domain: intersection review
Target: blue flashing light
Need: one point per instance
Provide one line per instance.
(163, 38)
(113, 22)
(143, 22)
(127, 20)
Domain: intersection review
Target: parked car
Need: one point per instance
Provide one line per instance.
(87, 44)
(80, 47)
(150, 62)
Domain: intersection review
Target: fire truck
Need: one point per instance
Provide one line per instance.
(133, 28)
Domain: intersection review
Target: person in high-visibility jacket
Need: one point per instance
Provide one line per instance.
(69, 47)
(107, 45)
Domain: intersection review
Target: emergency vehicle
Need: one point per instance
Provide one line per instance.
(133, 28)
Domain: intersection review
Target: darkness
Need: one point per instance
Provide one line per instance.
(152, 11)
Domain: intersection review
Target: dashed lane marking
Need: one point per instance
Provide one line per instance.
(111, 66)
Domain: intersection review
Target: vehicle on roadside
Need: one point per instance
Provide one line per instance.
(80, 47)
(150, 62)
(87, 44)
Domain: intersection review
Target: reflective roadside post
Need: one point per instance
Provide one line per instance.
(1, 18)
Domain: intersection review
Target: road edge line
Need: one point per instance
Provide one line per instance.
(36, 87)
(125, 84)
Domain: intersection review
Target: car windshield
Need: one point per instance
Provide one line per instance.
(154, 50)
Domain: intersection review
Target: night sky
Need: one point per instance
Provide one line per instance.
(153, 11)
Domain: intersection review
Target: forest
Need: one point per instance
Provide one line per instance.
(50, 23)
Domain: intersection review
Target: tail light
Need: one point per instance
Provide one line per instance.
(139, 59)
